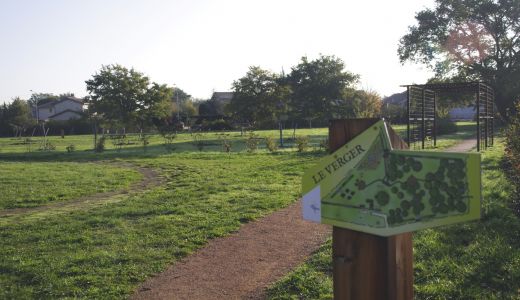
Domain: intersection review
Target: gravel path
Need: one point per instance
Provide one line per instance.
(463, 146)
(241, 265)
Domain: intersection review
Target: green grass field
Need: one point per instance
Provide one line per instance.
(106, 250)
(38, 183)
(476, 260)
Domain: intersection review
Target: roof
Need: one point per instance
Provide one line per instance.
(67, 110)
(222, 96)
(70, 98)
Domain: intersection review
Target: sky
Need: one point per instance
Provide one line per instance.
(200, 46)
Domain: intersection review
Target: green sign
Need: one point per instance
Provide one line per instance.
(367, 186)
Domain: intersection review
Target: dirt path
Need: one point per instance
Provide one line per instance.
(464, 146)
(150, 179)
(242, 265)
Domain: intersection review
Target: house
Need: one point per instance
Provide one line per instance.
(223, 97)
(66, 108)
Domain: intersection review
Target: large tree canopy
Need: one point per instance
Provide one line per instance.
(127, 97)
(318, 85)
(470, 40)
(258, 96)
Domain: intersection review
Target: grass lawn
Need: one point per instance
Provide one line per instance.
(105, 251)
(18, 149)
(476, 260)
(37, 183)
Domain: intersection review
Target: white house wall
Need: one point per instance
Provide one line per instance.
(68, 104)
(66, 116)
(46, 112)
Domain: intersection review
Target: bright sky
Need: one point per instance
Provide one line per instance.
(53, 46)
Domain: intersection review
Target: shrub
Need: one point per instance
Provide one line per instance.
(302, 143)
(70, 148)
(446, 126)
(100, 145)
(46, 145)
(168, 140)
(226, 145)
(512, 159)
(198, 141)
(145, 140)
(252, 142)
(271, 144)
(216, 125)
(324, 144)
(119, 140)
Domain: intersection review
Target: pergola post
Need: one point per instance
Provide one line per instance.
(408, 115)
(423, 129)
(478, 118)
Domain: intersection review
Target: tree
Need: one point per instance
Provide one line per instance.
(156, 105)
(318, 85)
(18, 116)
(187, 108)
(41, 98)
(127, 97)
(259, 96)
(364, 103)
(470, 40)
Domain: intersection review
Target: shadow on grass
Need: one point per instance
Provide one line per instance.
(153, 151)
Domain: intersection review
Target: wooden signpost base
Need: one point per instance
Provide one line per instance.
(367, 266)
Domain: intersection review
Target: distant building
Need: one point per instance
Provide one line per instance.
(223, 97)
(67, 108)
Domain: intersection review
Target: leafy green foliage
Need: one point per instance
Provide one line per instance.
(100, 144)
(198, 141)
(71, 148)
(512, 158)
(145, 140)
(169, 137)
(470, 40)
(226, 143)
(317, 85)
(127, 98)
(17, 116)
(302, 143)
(259, 96)
(252, 142)
(445, 126)
(270, 144)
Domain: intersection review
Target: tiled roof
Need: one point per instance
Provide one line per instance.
(52, 103)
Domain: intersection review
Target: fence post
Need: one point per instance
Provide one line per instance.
(367, 266)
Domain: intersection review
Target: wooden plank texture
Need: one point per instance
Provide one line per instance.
(367, 266)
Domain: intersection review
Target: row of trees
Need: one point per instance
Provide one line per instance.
(124, 98)
(318, 89)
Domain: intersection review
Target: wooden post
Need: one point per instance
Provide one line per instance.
(367, 266)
